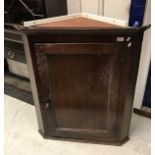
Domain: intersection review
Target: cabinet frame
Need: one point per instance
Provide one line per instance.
(129, 73)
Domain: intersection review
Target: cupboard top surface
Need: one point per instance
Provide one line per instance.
(78, 22)
(81, 20)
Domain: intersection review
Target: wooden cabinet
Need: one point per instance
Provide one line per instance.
(83, 75)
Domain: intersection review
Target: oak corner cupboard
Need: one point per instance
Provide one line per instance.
(83, 71)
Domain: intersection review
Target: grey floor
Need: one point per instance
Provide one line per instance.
(22, 138)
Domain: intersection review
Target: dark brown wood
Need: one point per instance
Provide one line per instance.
(84, 82)
(106, 142)
(86, 92)
(77, 48)
(143, 112)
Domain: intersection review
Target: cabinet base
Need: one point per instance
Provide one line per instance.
(106, 142)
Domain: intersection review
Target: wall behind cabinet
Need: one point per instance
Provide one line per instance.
(74, 6)
(90, 6)
(110, 8)
(117, 9)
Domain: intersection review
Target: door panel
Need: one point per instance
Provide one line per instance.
(84, 89)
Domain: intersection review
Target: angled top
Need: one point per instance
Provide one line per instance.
(77, 22)
(81, 20)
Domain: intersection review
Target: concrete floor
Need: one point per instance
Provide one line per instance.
(22, 138)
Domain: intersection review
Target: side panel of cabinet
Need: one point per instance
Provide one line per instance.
(84, 89)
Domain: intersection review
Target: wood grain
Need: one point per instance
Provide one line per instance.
(77, 22)
(88, 80)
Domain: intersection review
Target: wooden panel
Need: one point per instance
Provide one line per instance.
(77, 48)
(87, 16)
(77, 22)
(84, 91)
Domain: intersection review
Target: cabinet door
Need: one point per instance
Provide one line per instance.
(84, 82)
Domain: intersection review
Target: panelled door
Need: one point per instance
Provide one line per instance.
(84, 82)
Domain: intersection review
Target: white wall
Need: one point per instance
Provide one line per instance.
(112, 8)
(74, 6)
(90, 6)
(117, 9)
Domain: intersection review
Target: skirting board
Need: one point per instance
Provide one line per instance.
(144, 111)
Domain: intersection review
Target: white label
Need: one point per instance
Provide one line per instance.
(120, 39)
